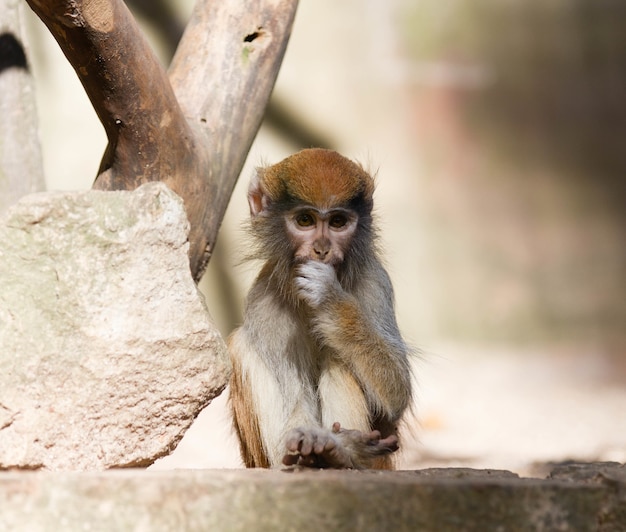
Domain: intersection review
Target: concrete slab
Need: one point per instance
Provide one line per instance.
(577, 497)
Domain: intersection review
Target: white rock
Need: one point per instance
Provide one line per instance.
(107, 351)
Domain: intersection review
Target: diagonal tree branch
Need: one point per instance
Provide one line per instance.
(223, 74)
(223, 79)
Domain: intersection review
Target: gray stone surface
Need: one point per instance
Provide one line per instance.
(107, 350)
(261, 500)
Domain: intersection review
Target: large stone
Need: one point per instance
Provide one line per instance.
(108, 352)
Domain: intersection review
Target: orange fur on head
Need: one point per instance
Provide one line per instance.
(318, 177)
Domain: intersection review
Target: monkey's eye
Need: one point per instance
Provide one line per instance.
(338, 221)
(305, 220)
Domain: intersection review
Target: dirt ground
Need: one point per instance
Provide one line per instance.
(481, 408)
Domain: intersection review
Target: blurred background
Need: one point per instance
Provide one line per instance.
(497, 131)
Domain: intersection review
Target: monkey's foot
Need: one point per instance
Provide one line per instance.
(337, 448)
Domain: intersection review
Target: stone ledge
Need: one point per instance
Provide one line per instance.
(575, 497)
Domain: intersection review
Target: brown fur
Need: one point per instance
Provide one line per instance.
(246, 423)
(321, 176)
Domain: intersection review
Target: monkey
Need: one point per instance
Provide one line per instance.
(321, 374)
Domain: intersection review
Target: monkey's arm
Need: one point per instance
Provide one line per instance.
(361, 329)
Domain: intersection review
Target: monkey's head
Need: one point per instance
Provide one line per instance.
(313, 205)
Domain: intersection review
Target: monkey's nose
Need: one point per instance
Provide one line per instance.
(322, 247)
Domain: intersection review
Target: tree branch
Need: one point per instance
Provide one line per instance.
(223, 82)
(223, 79)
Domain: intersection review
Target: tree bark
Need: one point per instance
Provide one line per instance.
(194, 138)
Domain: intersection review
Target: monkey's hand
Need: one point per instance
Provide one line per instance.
(339, 448)
(315, 282)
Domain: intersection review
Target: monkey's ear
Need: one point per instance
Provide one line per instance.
(257, 198)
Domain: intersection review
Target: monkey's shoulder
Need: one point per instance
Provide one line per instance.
(374, 286)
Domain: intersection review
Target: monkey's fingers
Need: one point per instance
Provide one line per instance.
(299, 441)
(371, 443)
(384, 446)
(306, 442)
(372, 438)
(356, 436)
(324, 445)
(293, 444)
(313, 281)
(306, 446)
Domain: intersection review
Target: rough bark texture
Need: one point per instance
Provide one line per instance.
(21, 170)
(223, 74)
(108, 352)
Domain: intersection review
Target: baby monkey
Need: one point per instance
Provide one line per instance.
(321, 375)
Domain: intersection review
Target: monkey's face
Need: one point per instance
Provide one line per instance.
(321, 235)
